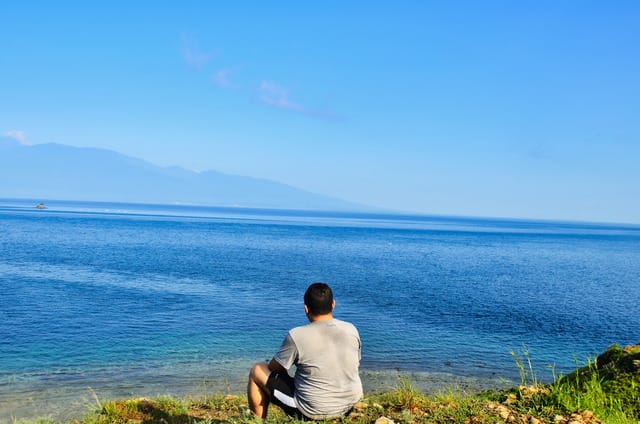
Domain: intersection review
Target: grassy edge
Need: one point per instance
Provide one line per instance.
(606, 390)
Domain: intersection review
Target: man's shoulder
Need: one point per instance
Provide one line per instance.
(345, 324)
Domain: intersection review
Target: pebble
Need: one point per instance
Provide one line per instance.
(360, 406)
(587, 415)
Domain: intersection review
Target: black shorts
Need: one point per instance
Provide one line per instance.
(281, 391)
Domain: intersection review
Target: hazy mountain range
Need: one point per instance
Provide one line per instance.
(56, 171)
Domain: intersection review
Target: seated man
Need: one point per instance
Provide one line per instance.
(326, 353)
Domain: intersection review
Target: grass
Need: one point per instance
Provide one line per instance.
(606, 390)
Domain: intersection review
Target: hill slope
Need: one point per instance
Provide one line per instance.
(55, 171)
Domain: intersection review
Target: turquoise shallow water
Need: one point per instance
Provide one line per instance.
(135, 300)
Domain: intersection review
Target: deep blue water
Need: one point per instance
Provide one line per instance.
(136, 300)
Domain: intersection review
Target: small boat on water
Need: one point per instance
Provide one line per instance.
(41, 206)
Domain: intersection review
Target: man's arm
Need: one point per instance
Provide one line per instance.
(286, 356)
(275, 366)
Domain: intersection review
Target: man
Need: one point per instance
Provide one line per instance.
(326, 353)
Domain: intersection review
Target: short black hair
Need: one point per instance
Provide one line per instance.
(319, 299)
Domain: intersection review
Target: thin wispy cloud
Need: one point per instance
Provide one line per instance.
(19, 136)
(269, 92)
(277, 96)
(222, 78)
(193, 56)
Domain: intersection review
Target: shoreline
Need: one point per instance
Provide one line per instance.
(66, 403)
(605, 390)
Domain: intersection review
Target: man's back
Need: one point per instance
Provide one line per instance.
(327, 356)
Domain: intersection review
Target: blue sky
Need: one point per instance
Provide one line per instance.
(522, 109)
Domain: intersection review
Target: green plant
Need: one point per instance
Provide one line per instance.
(525, 367)
(585, 389)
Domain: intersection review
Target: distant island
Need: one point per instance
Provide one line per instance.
(56, 171)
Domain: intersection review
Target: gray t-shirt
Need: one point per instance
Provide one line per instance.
(326, 354)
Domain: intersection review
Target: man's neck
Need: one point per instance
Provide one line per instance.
(325, 317)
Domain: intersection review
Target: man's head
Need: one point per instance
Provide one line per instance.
(319, 299)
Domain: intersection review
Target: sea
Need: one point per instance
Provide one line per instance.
(103, 301)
